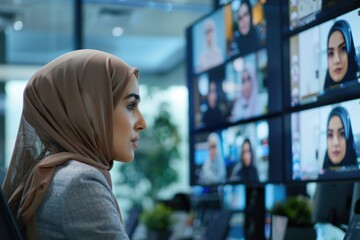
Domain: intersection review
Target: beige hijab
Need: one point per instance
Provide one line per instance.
(67, 115)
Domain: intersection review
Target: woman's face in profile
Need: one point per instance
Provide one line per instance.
(336, 140)
(246, 154)
(128, 122)
(246, 84)
(244, 20)
(337, 56)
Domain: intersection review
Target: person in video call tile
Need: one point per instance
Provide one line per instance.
(245, 170)
(247, 37)
(80, 114)
(343, 64)
(246, 102)
(340, 140)
(213, 169)
(213, 114)
(212, 55)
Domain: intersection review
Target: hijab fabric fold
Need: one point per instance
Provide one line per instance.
(67, 115)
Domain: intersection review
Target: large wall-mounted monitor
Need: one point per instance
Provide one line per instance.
(322, 59)
(302, 13)
(246, 153)
(323, 143)
(230, 75)
(238, 90)
(235, 94)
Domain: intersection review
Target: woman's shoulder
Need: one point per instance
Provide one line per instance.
(73, 178)
(79, 200)
(73, 171)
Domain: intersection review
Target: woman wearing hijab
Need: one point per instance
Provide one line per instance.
(213, 115)
(246, 37)
(246, 103)
(213, 170)
(340, 141)
(343, 64)
(80, 114)
(245, 170)
(212, 55)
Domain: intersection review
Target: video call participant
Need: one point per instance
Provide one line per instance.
(81, 113)
(246, 102)
(245, 170)
(213, 170)
(247, 36)
(343, 64)
(213, 114)
(341, 149)
(212, 55)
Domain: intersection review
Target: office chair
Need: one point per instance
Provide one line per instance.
(9, 230)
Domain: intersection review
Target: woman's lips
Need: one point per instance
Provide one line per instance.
(134, 142)
(337, 70)
(335, 153)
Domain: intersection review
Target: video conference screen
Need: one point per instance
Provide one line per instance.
(325, 142)
(262, 87)
(305, 12)
(209, 42)
(230, 77)
(245, 153)
(234, 92)
(325, 60)
(238, 28)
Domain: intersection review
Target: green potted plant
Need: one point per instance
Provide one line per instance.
(297, 210)
(158, 222)
(154, 168)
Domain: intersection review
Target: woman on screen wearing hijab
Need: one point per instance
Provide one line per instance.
(341, 149)
(213, 115)
(246, 103)
(213, 170)
(245, 170)
(80, 114)
(343, 65)
(212, 54)
(247, 36)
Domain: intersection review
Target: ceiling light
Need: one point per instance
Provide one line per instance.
(18, 25)
(117, 31)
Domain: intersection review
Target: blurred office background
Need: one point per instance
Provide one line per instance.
(146, 34)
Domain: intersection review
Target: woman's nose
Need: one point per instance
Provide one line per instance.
(141, 124)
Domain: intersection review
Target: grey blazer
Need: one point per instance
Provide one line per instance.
(79, 205)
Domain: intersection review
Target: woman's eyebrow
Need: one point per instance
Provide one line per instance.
(133, 95)
(341, 44)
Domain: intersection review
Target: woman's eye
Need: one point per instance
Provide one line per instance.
(343, 48)
(342, 133)
(330, 53)
(329, 135)
(132, 106)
